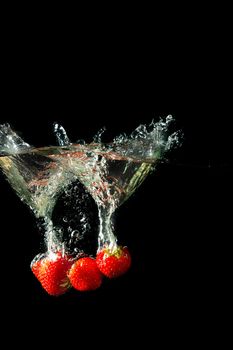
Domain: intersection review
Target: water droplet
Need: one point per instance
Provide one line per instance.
(61, 135)
(97, 137)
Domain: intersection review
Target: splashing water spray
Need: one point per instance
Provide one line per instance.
(110, 173)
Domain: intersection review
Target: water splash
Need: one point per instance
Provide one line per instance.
(36, 178)
(61, 135)
(10, 142)
(52, 239)
(98, 136)
(148, 142)
(110, 172)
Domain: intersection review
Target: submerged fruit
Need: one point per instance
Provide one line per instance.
(113, 263)
(84, 275)
(51, 271)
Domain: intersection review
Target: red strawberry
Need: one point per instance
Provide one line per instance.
(84, 275)
(113, 263)
(51, 271)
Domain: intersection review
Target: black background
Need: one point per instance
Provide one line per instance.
(177, 224)
(95, 71)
